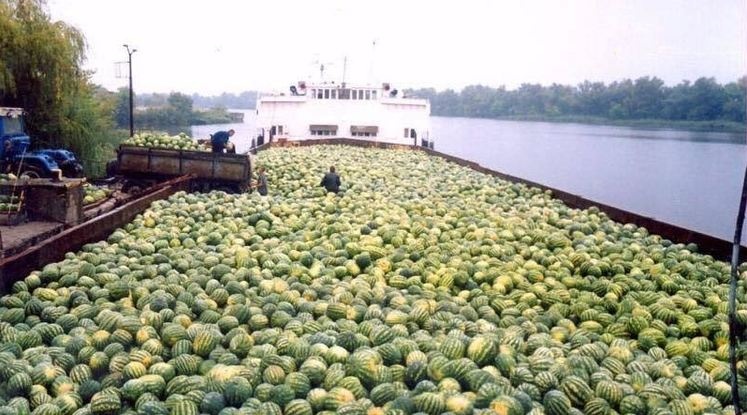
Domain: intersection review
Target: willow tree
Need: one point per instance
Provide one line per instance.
(41, 71)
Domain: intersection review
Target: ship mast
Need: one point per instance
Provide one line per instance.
(373, 62)
(344, 69)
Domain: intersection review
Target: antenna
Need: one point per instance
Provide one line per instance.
(373, 61)
(344, 69)
(322, 68)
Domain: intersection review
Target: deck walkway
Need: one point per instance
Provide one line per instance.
(19, 237)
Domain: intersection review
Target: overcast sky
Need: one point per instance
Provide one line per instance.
(214, 46)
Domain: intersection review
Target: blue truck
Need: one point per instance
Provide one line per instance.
(16, 158)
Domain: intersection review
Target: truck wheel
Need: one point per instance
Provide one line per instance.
(225, 189)
(112, 166)
(72, 170)
(31, 171)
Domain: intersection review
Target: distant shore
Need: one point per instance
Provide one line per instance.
(699, 126)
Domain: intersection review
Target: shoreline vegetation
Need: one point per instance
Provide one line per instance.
(646, 102)
(178, 109)
(717, 126)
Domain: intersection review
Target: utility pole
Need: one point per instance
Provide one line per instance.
(129, 62)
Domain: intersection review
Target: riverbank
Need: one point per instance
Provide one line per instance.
(656, 124)
(169, 117)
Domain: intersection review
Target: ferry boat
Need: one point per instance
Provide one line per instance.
(337, 110)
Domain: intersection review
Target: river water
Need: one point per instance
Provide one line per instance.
(689, 179)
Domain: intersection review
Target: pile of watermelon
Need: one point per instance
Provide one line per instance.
(10, 204)
(421, 288)
(93, 193)
(180, 141)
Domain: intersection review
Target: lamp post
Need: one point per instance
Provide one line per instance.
(129, 62)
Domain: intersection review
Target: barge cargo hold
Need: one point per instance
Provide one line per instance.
(51, 241)
(707, 244)
(423, 286)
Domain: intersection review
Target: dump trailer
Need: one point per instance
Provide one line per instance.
(141, 167)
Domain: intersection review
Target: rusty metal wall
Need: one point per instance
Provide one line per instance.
(718, 248)
(17, 267)
(204, 165)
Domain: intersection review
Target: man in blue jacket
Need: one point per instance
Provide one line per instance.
(331, 181)
(219, 140)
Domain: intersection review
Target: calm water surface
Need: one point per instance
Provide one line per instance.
(690, 179)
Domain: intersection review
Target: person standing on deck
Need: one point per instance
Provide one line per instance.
(219, 140)
(261, 183)
(331, 181)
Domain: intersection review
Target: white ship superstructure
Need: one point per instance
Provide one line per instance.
(329, 110)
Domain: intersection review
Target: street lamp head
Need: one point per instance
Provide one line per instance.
(134, 50)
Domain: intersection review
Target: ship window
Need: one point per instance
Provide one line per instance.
(407, 133)
(313, 93)
(368, 94)
(334, 94)
(373, 94)
(323, 129)
(344, 94)
(355, 94)
(326, 94)
(319, 94)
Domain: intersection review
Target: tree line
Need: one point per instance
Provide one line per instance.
(640, 99)
(174, 110)
(41, 71)
(243, 100)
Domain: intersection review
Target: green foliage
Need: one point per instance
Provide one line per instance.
(175, 111)
(121, 110)
(211, 116)
(41, 71)
(244, 100)
(645, 98)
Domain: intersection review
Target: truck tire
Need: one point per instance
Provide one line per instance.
(73, 170)
(225, 188)
(112, 167)
(31, 171)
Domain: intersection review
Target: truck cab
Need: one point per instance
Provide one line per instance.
(15, 156)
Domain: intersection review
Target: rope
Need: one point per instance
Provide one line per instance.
(733, 326)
